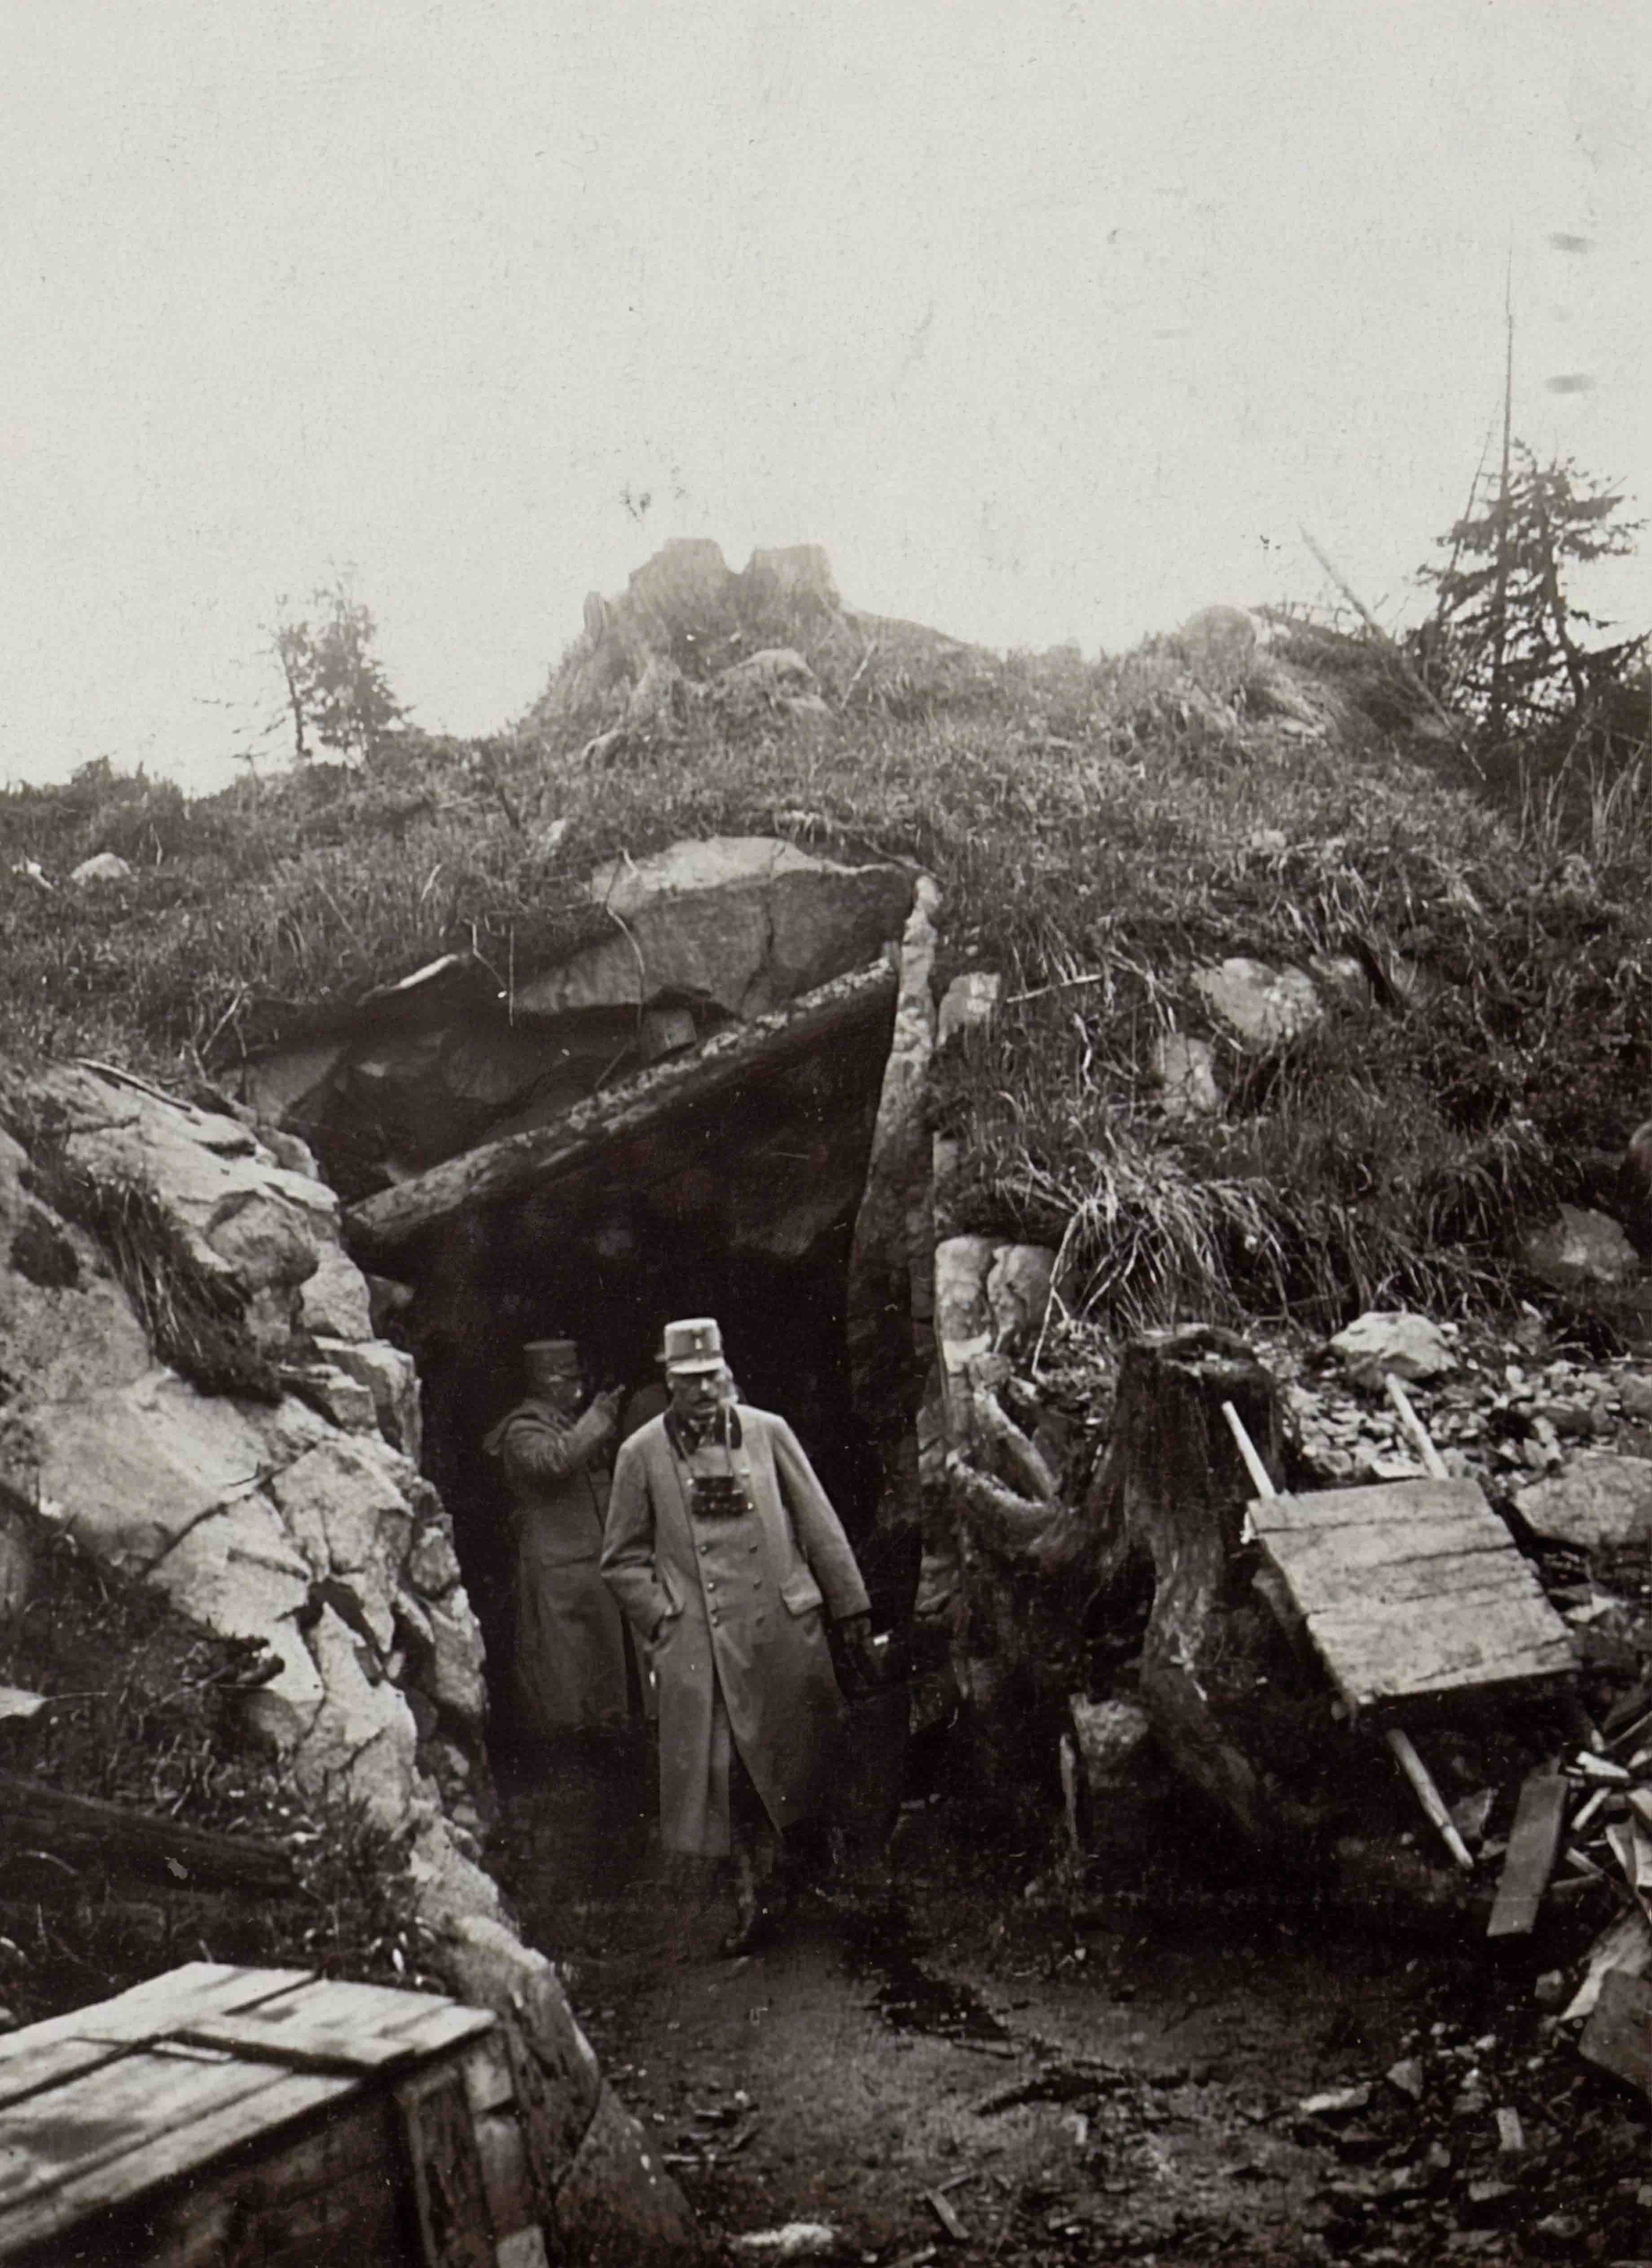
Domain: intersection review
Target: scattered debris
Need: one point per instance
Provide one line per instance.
(1618, 2037)
(798, 2240)
(1625, 1947)
(947, 2213)
(1341, 2103)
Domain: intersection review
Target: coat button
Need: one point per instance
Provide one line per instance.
(704, 1547)
(710, 1582)
(713, 1615)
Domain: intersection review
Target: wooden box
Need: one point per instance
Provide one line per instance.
(221, 2115)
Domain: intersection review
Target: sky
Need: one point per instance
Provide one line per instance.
(1049, 320)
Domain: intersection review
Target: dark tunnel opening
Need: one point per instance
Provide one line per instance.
(744, 1211)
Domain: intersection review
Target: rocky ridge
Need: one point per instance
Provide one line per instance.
(294, 1516)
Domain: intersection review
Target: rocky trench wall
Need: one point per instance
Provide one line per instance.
(302, 1522)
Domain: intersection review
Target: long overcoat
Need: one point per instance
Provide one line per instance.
(568, 1665)
(740, 1604)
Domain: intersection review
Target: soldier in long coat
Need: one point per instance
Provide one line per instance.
(568, 1665)
(729, 1561)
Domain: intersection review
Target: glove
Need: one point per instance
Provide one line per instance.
(858, 1660)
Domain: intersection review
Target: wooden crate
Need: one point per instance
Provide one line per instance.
(264, 2116)
(1412, 1591)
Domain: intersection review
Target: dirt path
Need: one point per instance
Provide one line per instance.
(1124, 2085)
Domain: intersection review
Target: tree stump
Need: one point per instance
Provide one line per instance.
(1171, 1491)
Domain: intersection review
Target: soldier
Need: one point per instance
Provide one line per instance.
(568, 1665)
(726, 1555)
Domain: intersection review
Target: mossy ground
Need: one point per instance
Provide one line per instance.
(1100, 832)
(141, 1710)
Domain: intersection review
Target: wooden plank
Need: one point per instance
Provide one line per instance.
(1412, 1588)
(1323, 1585)
(1404, 1543)
(1618, 2037)
(512, 2199)
(324, 2186)
(316, 2036)
(1485, 1621)
(549, 2151)
(1420, 1502)
(164, 2003)
(48, 2064)
(1396, 1532)
(455, 2228)
(271, 2098)
(1533, 1842)
(123, 2108)
(1433, 1647)
(145, 2010)
(389, 2011)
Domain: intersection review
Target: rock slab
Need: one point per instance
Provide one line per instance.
(741, 922)
(1581, 1247)
(1381, 1340)
(1598, 1502)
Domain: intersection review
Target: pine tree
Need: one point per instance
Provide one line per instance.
(337, 692)
(1506, 642)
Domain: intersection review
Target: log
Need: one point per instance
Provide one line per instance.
(380, 1227)
(30, 1809)
(1173, 1491)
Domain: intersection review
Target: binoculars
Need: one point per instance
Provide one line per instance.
(717, 1496)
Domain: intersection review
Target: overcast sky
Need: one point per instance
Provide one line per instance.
(1048, 320)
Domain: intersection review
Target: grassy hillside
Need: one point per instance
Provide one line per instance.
(1099, 831)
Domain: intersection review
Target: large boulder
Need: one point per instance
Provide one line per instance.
(1393, 1339)
(233, 1208)
(740, 923)
(295, 1521)
(1598, 1503)
(105, 866)
(1578, 1247)
(1264, 1006)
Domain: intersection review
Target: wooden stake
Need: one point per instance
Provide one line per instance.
(1413, 1424)
(1429, 1796)
(1254, 1465)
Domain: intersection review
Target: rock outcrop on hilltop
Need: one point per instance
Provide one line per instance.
(773, 640)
